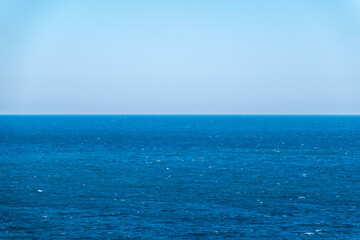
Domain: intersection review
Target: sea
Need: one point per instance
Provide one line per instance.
(179, 177)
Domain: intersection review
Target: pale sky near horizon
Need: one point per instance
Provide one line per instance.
(178, 57)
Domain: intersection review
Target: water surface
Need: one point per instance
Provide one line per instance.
(179, 177)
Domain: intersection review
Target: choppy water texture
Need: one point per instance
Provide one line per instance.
(179, 177)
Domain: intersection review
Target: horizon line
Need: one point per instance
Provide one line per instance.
(178, 114)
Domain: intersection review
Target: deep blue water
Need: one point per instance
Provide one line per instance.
(179, 177)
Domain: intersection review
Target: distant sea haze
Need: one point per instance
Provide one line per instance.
(179, 177)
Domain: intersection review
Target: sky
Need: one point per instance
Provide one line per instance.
(180, 57)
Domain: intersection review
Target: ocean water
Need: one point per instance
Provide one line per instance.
(179, 177)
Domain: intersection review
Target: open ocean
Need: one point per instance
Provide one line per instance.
(179, 177)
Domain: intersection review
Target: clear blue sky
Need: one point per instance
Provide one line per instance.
(197, 57)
